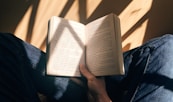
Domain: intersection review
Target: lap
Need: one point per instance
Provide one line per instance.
(148, 70)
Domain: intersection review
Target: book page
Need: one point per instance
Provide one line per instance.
(66, 46)
(102, 51)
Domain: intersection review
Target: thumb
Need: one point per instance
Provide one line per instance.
(85, 72)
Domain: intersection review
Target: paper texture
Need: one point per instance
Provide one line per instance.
(97, 44)
(66, 45)
(100, 56)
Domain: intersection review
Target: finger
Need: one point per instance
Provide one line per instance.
(85, 72)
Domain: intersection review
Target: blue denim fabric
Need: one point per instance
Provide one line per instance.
(16, 84)
(23, 68)
(156, 79)
(148, 74)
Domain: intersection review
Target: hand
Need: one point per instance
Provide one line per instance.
(96, 86)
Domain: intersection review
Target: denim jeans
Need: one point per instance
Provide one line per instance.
(148, 74)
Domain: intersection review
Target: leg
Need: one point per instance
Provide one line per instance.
(15, 82)
(149, 73)
(22, 68)
(157, 78)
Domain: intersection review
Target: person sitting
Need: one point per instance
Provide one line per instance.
(148, 75)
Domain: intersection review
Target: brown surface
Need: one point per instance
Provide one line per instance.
(140, 20)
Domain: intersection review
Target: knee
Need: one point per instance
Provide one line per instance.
(168, 38)
(165, 42)
(6, 34)
(162, 55)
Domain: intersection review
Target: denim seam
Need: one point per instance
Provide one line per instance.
(138, 86)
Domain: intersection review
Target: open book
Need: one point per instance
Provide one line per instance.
(97, 44)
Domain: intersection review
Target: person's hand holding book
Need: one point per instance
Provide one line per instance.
(96, 86)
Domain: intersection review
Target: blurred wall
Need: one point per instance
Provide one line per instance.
(141, 20)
